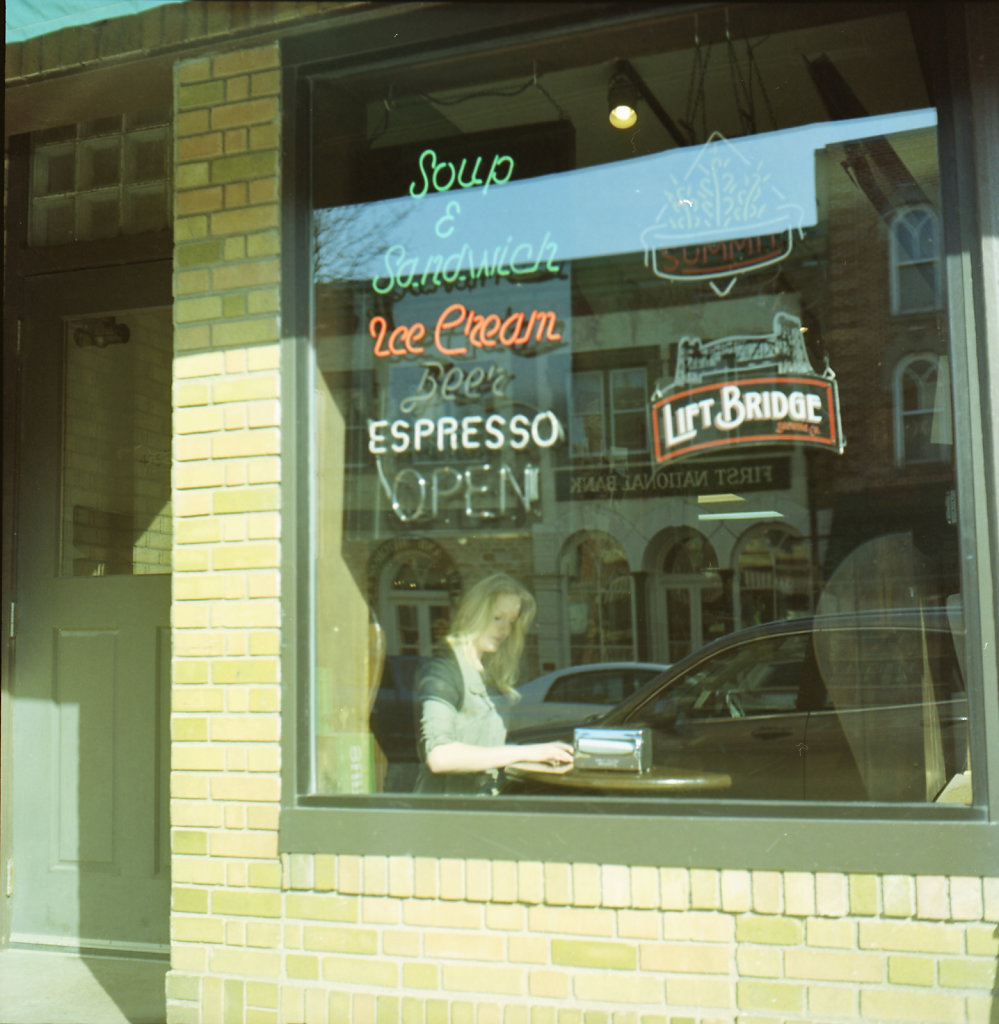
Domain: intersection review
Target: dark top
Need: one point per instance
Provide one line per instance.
(453, 705)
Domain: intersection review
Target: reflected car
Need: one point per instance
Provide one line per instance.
(870, 706)
(578, 693)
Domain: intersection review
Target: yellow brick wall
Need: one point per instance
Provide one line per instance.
(227, 535)
(264, 938)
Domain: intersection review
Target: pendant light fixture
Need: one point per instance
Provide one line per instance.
(623, 92)
(622, 99)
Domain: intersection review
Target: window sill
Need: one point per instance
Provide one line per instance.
(943, 839)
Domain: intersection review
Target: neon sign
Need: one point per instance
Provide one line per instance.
(456, 445)
(493, 432)
(455, 383)
(457, 321)
(716, 400)
(720, 259)
(723, 218)
(763, 410)
(464, 267)
(476, 492)
(454, 174)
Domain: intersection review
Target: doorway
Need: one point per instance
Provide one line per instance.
(90, 693)
(692, 595)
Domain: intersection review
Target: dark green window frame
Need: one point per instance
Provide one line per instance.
(759, 835)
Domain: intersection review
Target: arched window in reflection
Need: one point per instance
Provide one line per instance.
(915, 261)
(416, 588)
(922, 409)
(774, 575)
(598, 599)
(693, 596)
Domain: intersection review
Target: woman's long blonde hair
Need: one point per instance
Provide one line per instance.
(473, 617)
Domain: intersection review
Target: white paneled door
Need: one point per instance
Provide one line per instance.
(90, 830)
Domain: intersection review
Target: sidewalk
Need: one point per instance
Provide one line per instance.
(62, 988)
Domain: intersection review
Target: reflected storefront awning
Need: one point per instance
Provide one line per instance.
(590, 212)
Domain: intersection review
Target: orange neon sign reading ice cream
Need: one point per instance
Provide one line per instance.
(457, 327)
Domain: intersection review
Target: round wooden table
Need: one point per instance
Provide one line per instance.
(660, 780)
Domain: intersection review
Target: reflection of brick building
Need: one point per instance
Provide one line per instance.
(888, 342)
(844, 283)
(866, 337)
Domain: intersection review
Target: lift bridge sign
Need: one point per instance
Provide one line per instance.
(746, 390)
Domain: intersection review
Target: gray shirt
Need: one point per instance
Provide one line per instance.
(454, 706)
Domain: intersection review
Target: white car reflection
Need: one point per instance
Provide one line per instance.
(576, 693)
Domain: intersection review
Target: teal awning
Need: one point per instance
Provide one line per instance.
(29, 18)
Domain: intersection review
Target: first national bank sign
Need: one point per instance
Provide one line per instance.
(790, 404)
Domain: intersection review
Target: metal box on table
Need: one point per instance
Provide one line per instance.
(621, 750)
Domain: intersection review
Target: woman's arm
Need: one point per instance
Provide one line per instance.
(439, 693)
(464, 757)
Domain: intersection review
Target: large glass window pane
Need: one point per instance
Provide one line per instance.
(655, 376)
(116, 511)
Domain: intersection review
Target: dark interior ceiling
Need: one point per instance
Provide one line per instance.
(729, 82)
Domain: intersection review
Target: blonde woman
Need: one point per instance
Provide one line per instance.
(462, 738)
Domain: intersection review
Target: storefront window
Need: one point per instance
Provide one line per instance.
(656, 375)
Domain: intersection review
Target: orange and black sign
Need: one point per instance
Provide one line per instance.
(757, 410)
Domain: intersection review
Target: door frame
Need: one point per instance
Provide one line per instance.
(20, 264)
(13, 284)
(36, 444)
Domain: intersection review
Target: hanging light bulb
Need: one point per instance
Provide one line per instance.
(622, 100)
(626, 86)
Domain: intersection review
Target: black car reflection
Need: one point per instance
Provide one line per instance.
(866, 706)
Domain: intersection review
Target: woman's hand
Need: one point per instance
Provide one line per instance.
(556, 754)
